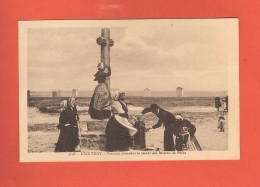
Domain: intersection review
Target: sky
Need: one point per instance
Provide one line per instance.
(193, 54)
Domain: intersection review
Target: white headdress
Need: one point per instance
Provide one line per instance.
(63, 104)
(178, 116)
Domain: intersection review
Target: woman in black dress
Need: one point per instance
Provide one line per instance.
(68, 125)
(166, 119)
(119, 130)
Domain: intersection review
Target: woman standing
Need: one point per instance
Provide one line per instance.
(119, 130)
(68, 125)
(166, 119)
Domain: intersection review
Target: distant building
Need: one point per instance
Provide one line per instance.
(75, 93)
(56, 93)
(179, 92)
(147, 92)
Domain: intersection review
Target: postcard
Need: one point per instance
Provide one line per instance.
(129, 90)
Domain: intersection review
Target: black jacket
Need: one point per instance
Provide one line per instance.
(68, 116)
(166, 118)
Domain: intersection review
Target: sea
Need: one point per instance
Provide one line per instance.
(186, 93)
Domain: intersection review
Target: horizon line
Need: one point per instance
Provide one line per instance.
(127, 90)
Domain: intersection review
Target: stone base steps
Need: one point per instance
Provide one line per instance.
(93, 140)
(93, 135)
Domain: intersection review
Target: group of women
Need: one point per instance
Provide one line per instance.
(118, 130)
(102, 106)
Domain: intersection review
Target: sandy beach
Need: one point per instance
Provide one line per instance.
(43, 134)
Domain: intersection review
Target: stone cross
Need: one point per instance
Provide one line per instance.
(105, 42)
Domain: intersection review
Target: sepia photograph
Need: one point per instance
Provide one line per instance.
(120, 90)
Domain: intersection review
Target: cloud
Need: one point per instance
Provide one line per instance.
(194, 56)
(198, 57)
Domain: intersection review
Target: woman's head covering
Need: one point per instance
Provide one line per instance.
(115, 94)
(101, 65)
(153, 108)
(178, 116)
(71, 101)
(63, 104)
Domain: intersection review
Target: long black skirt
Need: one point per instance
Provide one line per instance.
(117, 136)
(168, 140)
(68, 139)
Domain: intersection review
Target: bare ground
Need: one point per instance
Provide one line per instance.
(43, 134)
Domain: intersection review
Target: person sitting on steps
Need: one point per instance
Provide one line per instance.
(99, 107)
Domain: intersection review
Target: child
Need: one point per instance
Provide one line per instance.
(183, 131)
(221, 121)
